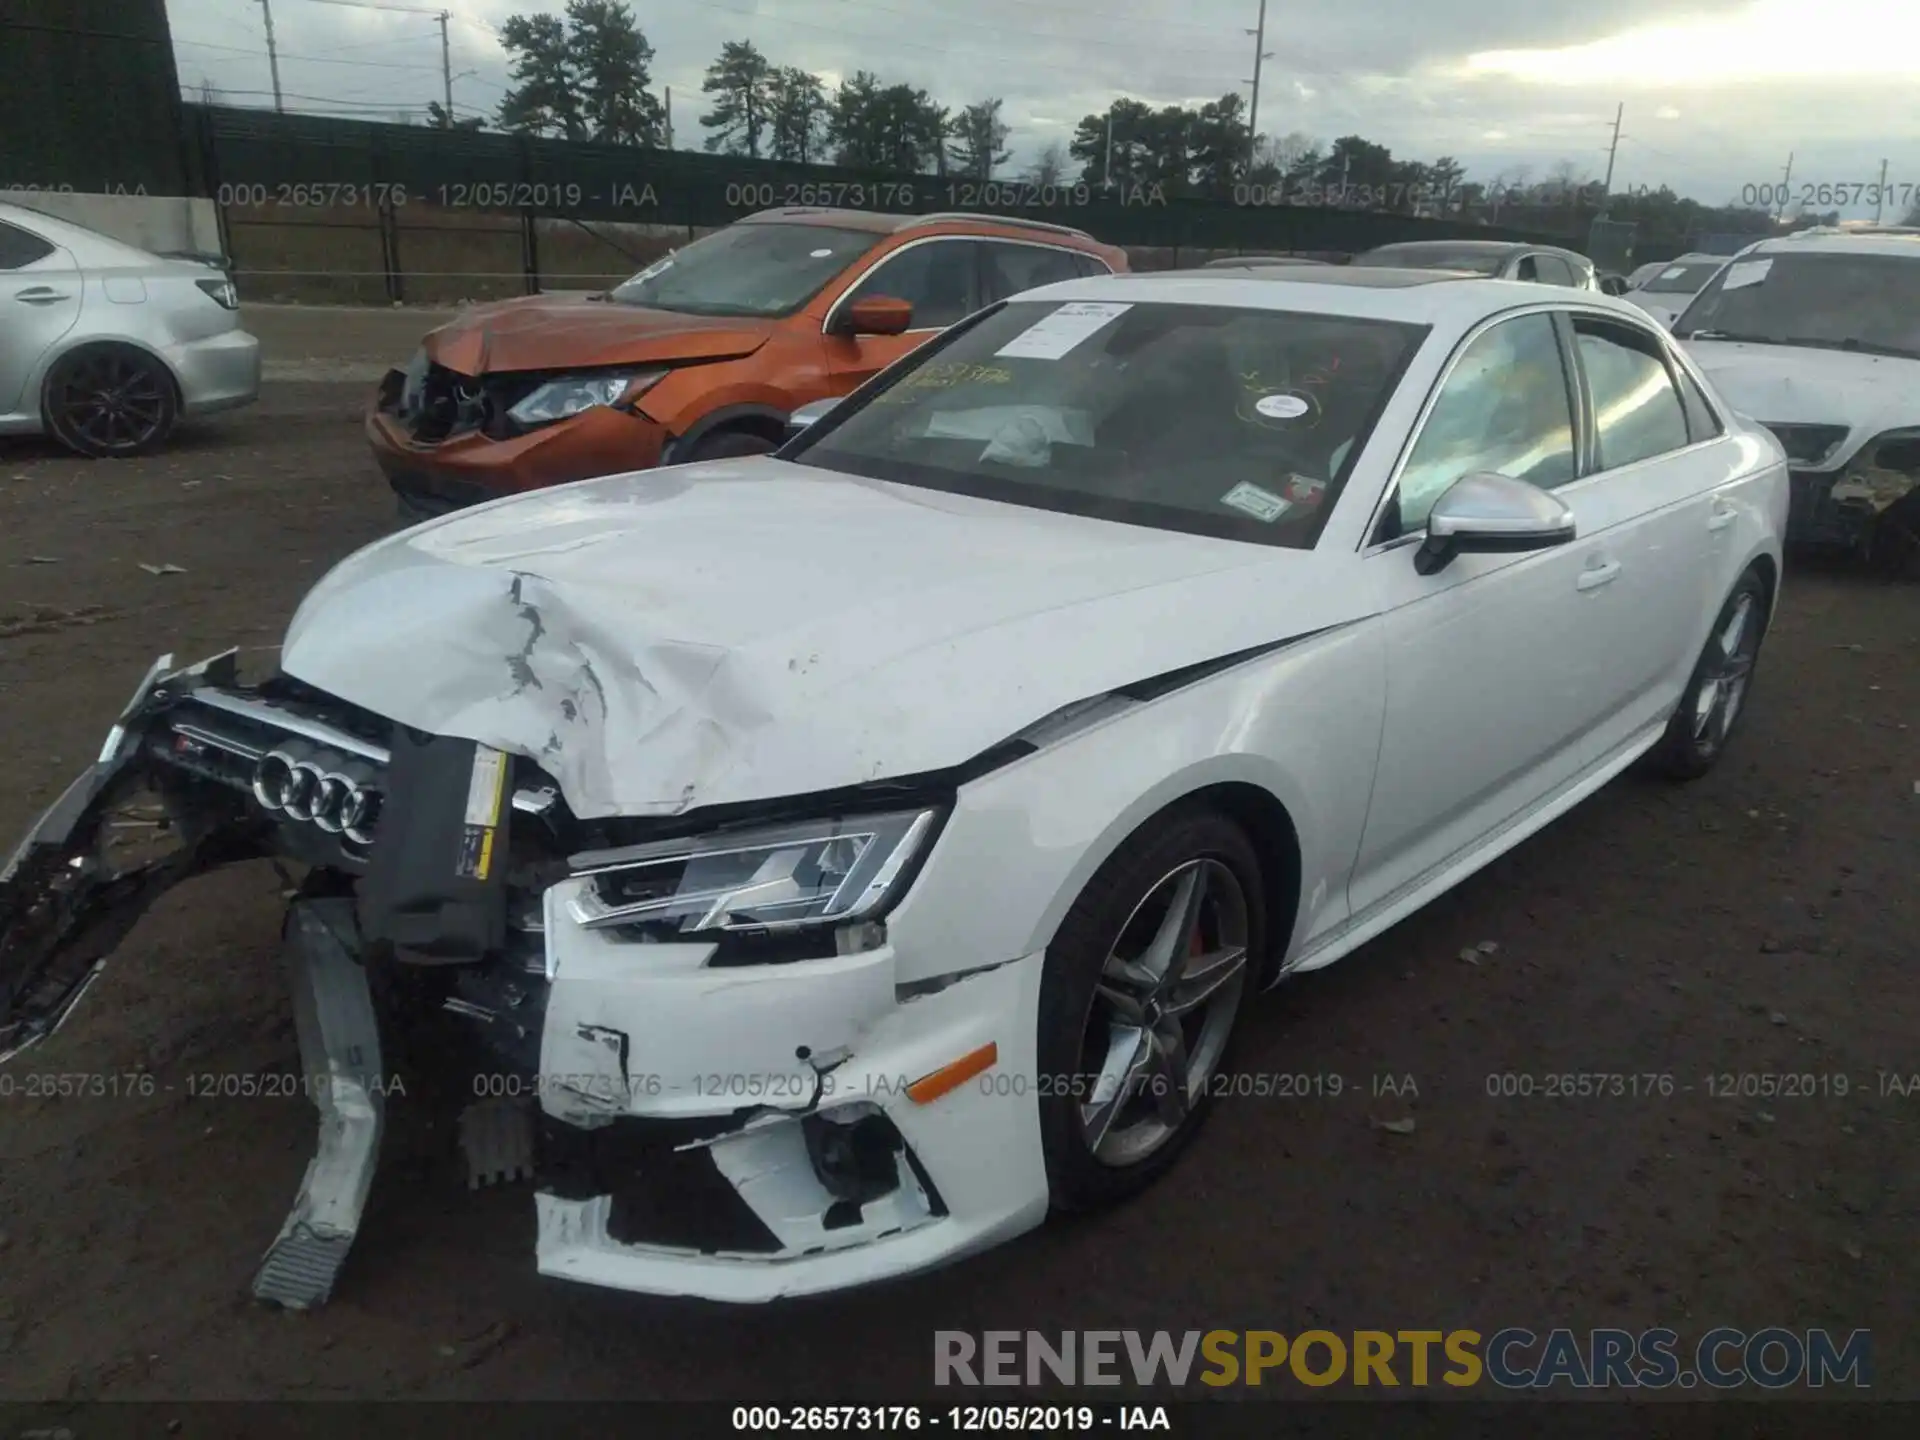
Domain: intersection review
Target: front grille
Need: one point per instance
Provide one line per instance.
(435, 403)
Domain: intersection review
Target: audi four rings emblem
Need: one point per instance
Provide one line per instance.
(304, 790)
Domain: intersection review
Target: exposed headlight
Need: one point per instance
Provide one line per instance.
(570, 394)
(827, 872)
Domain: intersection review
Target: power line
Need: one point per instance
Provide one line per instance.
(307, 59)
(369, 5)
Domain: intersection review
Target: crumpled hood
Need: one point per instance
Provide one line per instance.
(1788, 385)
(744, 630)
(559, 332)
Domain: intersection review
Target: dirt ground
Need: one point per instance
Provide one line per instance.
(1761, 922)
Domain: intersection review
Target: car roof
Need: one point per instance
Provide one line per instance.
(1487, 248)
(1372, 277)
(1455, 247)
(1239, 262)
(880, 223)
(1900, 241)
(1450, 301)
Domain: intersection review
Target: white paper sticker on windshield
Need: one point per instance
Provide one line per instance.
(1054, 335)
(1674, 274)
(819, 254)
(1282, 407)
(1746, 272)
(1261, 504)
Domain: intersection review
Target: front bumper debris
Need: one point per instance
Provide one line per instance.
(694, 1124)
(340, 1055)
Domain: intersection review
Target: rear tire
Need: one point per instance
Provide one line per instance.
(109, 402)
(1715, 696)
(1143, 988)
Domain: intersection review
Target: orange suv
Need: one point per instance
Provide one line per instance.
(702, 354)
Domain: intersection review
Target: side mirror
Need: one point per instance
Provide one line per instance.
(1489, 513)
(1613, 285)
(875, 315)
(813, 410)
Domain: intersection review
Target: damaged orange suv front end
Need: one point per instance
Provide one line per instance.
(703, 354)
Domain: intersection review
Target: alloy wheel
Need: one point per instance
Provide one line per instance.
(112, 401)
(1162, 1010)
(1723, 686)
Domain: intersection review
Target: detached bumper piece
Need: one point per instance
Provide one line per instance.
(340, 1054)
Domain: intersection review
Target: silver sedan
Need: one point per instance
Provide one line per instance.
(105, 346)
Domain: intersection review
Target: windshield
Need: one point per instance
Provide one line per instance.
(1239, 423)
(746, 270)
(1846, 302)
(1681, 279)
(1435, 257)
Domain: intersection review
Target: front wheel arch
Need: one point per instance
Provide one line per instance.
(1275, 837)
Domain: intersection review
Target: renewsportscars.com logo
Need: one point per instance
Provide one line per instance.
(1724, 1358)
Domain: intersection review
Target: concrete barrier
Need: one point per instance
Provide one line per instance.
(164, 224)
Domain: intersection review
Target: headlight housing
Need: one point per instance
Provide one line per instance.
(566, 395)
(778, 878)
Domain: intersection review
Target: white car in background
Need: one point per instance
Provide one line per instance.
(106, 347)
(848, 856)
(1668, 290)
(1817, 336)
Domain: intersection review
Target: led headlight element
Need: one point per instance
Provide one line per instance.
(780, 878)
(570, 394)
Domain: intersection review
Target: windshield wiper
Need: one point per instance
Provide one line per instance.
(1731, 336)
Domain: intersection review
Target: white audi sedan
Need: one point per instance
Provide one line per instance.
(821, 866)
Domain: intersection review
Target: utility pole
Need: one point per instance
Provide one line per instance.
(1786, 185)
(669, 116)
(446, 64)
(1259, 34)
(1880, 195)
(1107, 170)
(1606, 186)
(273, 55)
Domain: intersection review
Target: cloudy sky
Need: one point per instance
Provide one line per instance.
(1718, 93)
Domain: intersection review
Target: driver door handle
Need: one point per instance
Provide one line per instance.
(1594, 576)
(1723, 515)
(40, 295)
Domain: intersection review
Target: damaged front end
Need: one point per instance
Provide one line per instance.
(688, 1032)
(1865, 504)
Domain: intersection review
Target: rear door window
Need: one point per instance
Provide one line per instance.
(18, 248)
(1553, 270)
(1637, 412)
(1012, 267)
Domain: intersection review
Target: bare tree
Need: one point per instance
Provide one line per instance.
(1049, 167)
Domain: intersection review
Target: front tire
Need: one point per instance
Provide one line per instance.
(110, 402)
(1715, 696)
(1143, 988)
